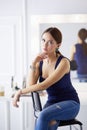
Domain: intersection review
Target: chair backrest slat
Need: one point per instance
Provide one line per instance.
(36, 101)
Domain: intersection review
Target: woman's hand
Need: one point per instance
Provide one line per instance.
(40, 57)
(16, 98)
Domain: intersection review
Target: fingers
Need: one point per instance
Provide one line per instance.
(16, 99)
(12, 95)
(15, 103)
(43, 55)
(40, 57)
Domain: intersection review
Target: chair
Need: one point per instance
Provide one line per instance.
(38, 107)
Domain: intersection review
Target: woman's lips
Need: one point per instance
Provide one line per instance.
(44, 49)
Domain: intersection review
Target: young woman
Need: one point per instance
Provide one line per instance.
(53, 71)
(79, 54)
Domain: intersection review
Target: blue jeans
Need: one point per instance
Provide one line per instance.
(64, 110)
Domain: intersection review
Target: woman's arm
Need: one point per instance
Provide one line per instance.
(73, 50)
(34, 69)
(32, 78)
(59, 72)
(33, 75)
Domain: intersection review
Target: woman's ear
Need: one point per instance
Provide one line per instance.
(57, 50)
(58, 45)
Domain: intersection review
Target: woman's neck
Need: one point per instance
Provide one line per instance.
(52, 58)
(80, 41)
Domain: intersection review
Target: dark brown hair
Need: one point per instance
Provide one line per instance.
(83, 36)
(56, 34)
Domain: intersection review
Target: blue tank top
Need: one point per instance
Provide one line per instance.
(61, 90)
(81, 59)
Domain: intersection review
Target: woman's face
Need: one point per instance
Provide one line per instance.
(48, 43)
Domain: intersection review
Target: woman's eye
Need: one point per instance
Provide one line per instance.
(50, 42)
(43, 40)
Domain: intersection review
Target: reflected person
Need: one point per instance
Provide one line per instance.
(79, 54)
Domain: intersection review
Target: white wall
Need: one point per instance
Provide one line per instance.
(11, 7)
(12, 41)
(58, 6)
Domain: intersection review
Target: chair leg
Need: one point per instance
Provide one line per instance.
(70, 127)
(80, 127)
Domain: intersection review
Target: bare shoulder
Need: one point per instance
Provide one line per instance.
(65, 64)
(65, 61)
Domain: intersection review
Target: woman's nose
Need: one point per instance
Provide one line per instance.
(46, 44)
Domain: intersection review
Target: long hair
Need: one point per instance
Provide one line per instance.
(83, 36)
(56, 34)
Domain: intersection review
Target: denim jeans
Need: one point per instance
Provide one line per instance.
(64, 110)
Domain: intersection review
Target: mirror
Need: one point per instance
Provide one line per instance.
(69, 26)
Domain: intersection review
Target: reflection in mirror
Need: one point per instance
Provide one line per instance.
(78, 55)
(69, 26)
